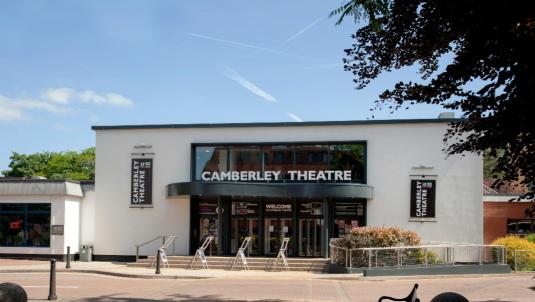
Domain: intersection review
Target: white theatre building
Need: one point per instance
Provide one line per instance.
(308, 181)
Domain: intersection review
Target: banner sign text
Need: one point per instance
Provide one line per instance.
(327, 175)
(141, 192)
(423, 198)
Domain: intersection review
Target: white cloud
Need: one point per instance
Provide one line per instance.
(15, 109)
(118, 100)
(58, 95)
(89, 96)
(39, 105)
(9, 114)
(302, 31)
(295, 117)
(114, 99)
(236, 77)
(57, 101)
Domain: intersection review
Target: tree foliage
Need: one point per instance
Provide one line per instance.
(490, 77)
(53, 165)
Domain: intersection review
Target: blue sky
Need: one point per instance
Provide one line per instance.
(67, 65)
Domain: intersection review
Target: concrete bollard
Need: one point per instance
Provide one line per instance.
(158, 262)
(68, 265)
(11, 292)
(52, 286)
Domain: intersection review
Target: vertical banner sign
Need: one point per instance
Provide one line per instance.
(423, 198)
(141, 193)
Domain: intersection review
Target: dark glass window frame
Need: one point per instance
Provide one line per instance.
(293, 145)
(516, 223)
(25, 211)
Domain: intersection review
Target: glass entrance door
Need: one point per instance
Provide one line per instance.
(310, 237)
(276, 229)
(241, 228)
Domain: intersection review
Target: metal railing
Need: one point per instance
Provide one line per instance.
(487, 190)
(524, 260)
(166, 241)
(417, 256)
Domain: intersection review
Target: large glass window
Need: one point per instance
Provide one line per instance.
(312, 158)
(245, 158)
(348, 157)
(520, 226)
(283, 158)
(210, 159)
(279, 158)
(25, 225)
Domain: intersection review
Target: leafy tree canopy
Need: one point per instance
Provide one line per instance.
(53, 165)
(490, 78)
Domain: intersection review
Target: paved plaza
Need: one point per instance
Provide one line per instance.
(295, 287)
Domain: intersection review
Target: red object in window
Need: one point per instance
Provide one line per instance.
(15, 225)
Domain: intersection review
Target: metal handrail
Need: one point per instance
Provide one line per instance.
(163, 237)
(372, 253)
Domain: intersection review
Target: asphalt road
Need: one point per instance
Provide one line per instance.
(87, 287)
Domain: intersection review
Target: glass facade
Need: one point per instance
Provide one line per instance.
(25, 225)
(308, 222)
(283, 158)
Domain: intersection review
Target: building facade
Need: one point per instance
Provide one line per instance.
(307, 181)
(41, 217)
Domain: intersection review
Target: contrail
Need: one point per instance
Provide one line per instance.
(236, 77)
(244, 45)
(294, 117)
(302, 31)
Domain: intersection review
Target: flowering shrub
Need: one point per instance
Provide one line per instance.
(513, 243)
(378, 237)
(364, 237)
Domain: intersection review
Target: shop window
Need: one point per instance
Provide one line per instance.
(348, 215)
(520, 226)
(210, 159)
(25, 225)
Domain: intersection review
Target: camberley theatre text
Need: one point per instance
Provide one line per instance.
(327, 175)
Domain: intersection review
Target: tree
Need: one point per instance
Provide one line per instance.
(490, 77)
(53, 165)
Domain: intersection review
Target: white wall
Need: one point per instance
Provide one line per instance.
(87, 218)
(72, 225)
(393, 149)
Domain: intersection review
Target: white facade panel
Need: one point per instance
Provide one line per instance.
(393, 152)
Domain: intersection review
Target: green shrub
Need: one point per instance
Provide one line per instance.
(531, 238)
(364, 237)
(513, 243)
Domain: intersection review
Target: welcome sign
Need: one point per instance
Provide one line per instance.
(141, 189)
(293, 175)
(423, 198)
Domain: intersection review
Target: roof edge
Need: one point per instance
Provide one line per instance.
(278, 124)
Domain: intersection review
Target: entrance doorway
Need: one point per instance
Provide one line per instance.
(310, 237)
(276, 229)
(241, 228)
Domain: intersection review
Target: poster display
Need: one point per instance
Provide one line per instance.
(423, 198)
(141, 185)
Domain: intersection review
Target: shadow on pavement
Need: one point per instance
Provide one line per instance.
(177, 297)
